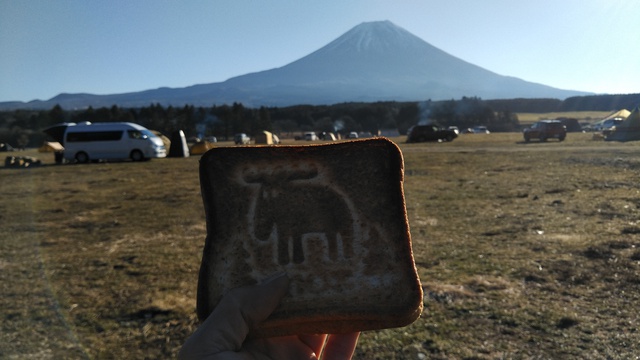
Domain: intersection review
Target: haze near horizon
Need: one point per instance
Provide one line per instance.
(107, 48)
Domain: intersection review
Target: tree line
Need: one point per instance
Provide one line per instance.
(23, 128)
(576, 103)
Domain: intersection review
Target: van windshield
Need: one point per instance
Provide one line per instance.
(140, 134)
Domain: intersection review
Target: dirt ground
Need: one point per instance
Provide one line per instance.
(524, 251)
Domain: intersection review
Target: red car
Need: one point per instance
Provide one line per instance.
(545, 129)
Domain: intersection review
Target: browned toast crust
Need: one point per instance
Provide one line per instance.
(333, 217)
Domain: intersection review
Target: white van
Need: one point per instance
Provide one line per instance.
(85, 141)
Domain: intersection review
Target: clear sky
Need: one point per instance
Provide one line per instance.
(49, 47)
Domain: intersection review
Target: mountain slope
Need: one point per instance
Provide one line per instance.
(375, 51)
(373, 61)
(380, 60)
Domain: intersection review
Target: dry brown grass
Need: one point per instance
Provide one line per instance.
(586, 116)
(525, 251)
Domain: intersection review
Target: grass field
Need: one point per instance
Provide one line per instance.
(524, 251)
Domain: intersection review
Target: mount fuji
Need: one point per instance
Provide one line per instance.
(374, 61)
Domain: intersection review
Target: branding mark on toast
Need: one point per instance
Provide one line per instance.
(297, 208)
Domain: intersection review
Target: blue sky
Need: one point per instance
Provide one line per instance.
(104, 47)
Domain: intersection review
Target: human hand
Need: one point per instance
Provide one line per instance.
(223, 335)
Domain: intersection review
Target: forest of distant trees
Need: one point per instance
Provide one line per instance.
(23, 128)
(576, 103)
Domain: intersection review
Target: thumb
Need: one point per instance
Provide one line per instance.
(236, 314)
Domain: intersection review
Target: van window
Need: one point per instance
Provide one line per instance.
(94, 136)
(136, 134)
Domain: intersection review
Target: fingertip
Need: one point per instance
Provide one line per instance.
(276, 284)
(341, 346)
(259, 301)
(274, 277)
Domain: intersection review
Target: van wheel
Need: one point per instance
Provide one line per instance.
(136, 155)
(82, 157)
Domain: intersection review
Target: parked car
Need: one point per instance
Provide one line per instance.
(480, 130)
(421, 133)
(545, 129)
(352, 135)
(310, 136)
(586, 127)
(571, 124)
(241, 139)
(85, 141)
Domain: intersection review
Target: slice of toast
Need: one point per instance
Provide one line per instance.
(332, 217)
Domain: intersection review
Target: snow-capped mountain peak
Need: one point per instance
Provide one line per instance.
(374, 61)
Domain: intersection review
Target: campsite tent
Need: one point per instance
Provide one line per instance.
(267, 138)
(201, 147)
(50, 146)
(628, 130)
(165, 140)
(328, 136)
(622, 114)
(610, 120)
(179, 146)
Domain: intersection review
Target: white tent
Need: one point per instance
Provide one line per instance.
(619, 115)
(622, 114)
(628, 130)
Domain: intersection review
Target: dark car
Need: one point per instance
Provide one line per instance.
(545, 129)
(420, 133)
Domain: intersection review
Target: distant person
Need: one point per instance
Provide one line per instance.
(223, 335)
